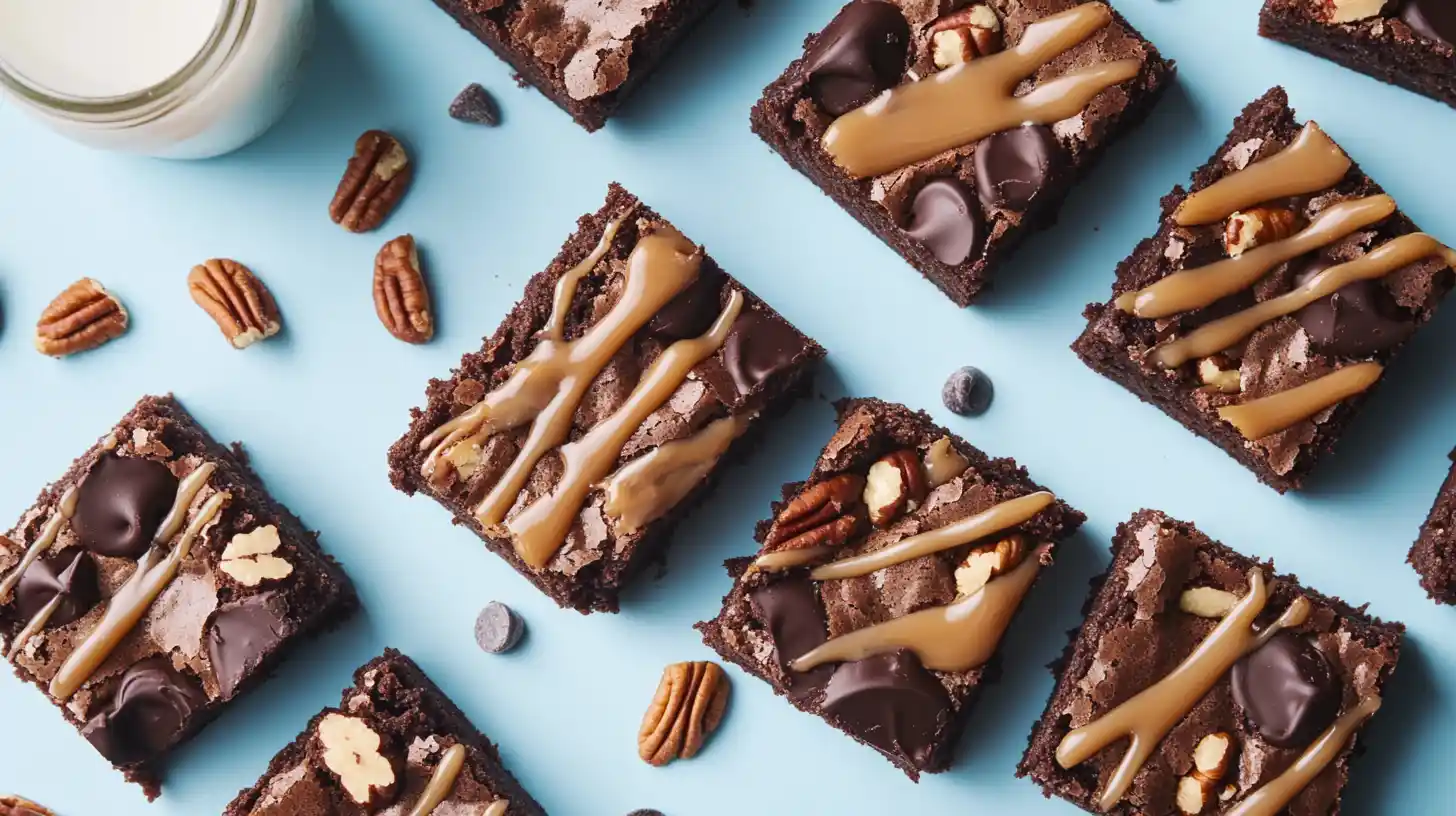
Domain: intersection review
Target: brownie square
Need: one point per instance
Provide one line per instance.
(1410, 43)
(889, 475)
(1434, 553)
(418, 744)
(674, 365)
(1276, 392)
(956, 208)
(1305, 689)
(586, 57)
(155, 582)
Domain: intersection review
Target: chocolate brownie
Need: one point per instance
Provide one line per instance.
(604, 406)
(155, 582)
(1434, 553)
(394, 745)
(1410, 43)
(1227, 673)
(886, 580)
(949, 168)
(1263, 312)
(585, 57)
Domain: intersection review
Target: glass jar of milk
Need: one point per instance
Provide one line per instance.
(170, 78)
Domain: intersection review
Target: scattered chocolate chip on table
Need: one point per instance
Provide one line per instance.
(605, 405)
(967, 392)
(498, 629)
(897, 514)
(474, 105)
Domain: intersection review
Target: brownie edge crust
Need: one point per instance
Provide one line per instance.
(1434, 553)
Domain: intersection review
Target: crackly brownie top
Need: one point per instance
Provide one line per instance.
(150, 581)
(1433, 21)
(887, 479)
(1283, 670)
(1279, 287)
(959, 150)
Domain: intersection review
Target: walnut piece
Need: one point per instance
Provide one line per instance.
(351, 750)
(1349, 11)
(1196, 791)
(687, 708)
(1207, 602)
(826, 514)
(376, 179)
(82, 317)
(987, 562)
(401, 297)
(1252, 228)
(234, 297)
(963, 35)
(894, 485)
(249, 557)
(943, 462)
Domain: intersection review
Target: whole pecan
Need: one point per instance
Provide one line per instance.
(242, 306)
(826, 514)
(12, 805)
(81, 318)
(373, 183)
(400, 295)
(687, 708)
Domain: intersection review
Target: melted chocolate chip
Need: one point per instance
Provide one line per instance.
(1012, 166)
(790, 610)
(693, 311)
(72, 575)
(860, 53)
(757, 348)
(1288, 689)
(242, 634)
(1433, 18)
(891, 702)
(146, 714)
(1357, 320)
(946, 218)
(121, 503)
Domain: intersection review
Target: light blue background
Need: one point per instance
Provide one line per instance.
(318, 406)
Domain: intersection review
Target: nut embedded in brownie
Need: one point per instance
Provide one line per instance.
(156, 581)
(604, 406)
(911, 119)
(1434, 553)
(886, 581)
(396, 742)
(1410, 43)
(1202, 682)
(1271, 298)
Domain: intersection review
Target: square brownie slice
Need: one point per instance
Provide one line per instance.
(1243, 688)
(396, 742)
(886, 580)
(907, 119)
(156, 581)
(1410, 43)
(605, 405)
(586, 57)
(1434, 553)
(1272, 297)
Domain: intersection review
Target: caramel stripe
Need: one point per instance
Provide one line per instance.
(1147, 717)
(442, 781)
(497, 808)
(953, 638)
(539, 530)
(788, 559)
(1221, 334)
(650, 485)
(1195, 288)
(1258, 418)
(1312, 162)
(565, 291)
(1005, 515)
(975, 99)
(65, 508)
(35, 624)
(1271, 799)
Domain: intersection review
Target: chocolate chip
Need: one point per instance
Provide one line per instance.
(242, 634)
(1357, 320)
(146, 714)
(1288, 689)
(72, 575)
(646, 812)
(1012, 166)
(859, 54)
(946, 218)
(475, 106)
(757, 348)
(121, 503)
(693, 311)
(891, 702)
(498, 628)
(1433, 18)
(790, 610)
(967, 391)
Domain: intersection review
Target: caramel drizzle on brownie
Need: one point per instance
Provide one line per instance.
(1312, 162)
(65, 508)
(1271, 799)
(788, 559)
(650, 485)
(442, 781)
(1258, 418)
(975, 99)
(1146, 718)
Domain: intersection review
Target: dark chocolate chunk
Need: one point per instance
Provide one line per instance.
(121, 503)
(946, 218)
(1433, 18)
(891, 702)
(758, 348)
(498, 628)
(693, 311)
(1357, 320)
(1012, 166)
(475, 106)
(1288, 689)
(242, 634)
(789, 609)
(967, 391)
(72, 575)
(860, 53)
(146, 713)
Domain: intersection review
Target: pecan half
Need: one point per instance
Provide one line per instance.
(12, 805)
(81, 318)
(896, 483)
(687, 708)
(373, 183)
(827, 514)
(400, 295)
(234, 297)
